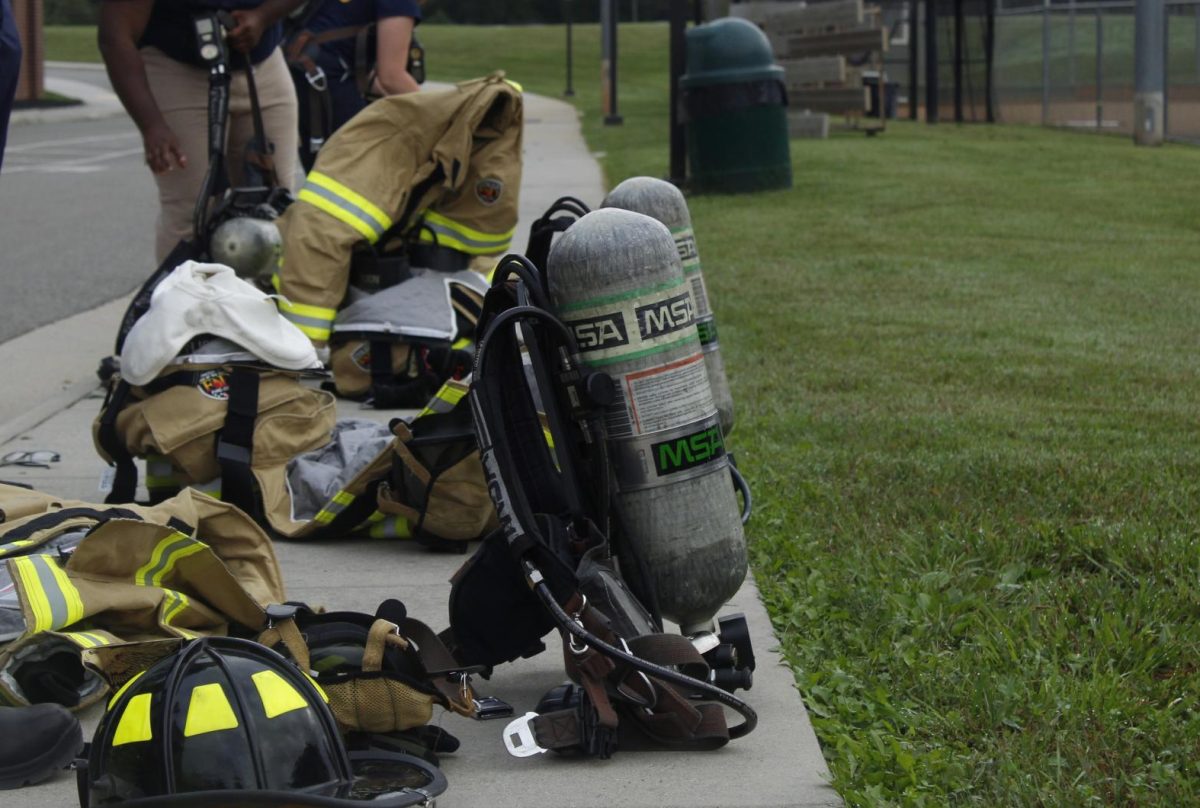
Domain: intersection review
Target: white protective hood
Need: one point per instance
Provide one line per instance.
(211, 299)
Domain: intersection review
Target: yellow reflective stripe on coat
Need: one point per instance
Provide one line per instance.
(167, 553)
(90, 639)
(382, 526)
(315, 321)
(327, 194)
(52, 598)
(13, 546)
(446, 398)
(335, 506)
(173, 605)
(457, 236)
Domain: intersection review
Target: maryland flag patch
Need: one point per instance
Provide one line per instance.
(214, 384)
(489, 190)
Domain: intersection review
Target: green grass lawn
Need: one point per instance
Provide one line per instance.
(966, 365)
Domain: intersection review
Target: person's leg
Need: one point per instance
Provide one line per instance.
(181, 92)
(10, 66)
(277, 99)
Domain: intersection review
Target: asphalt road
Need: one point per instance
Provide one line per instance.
(77, 208)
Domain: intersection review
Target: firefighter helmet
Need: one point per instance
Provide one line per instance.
(230, 722)
(248, 244)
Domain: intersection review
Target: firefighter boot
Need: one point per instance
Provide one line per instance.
(35, 742)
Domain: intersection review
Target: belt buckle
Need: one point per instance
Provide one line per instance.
(317, 80)
(518, 737)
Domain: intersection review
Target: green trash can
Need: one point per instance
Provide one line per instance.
(734, 110)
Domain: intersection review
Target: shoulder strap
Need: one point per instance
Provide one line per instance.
(235, 444)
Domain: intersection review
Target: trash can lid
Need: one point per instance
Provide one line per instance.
(728, 51)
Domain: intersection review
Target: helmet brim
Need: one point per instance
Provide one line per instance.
(384, 779)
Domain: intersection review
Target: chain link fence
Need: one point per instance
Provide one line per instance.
(1070, 63)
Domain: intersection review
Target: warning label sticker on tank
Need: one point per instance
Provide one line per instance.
(685, 242)
(669, 396)
(639, 323)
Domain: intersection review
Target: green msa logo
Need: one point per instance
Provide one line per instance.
(680, 454)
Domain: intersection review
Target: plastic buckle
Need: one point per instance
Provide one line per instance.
(489, 708)
(518, 737)
(317, 79)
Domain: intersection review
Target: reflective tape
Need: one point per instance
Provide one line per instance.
(277, 695)
(167, 553)
(447, 397)
(209, 710)
(345, 205)
(315, 321)
(340, 501)
(13, 546)
(382, 526)
(458, 236)
(52, 598)
(90, 639)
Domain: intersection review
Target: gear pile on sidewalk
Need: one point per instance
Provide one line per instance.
(570, 426)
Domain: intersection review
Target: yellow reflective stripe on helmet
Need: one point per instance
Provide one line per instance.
(514, 85)
(52, 598)
(345, 205)
(313, 682)
(208, 711)
(124, 687)
(458, 236)
(277, 695)
(167, 553)
(134, 726)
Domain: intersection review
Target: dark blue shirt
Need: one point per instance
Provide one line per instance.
(346, 13)
(171, 30)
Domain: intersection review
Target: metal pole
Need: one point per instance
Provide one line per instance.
(1099, 69)
(1196, 38)
(1071, 45)
(608, 62)
(678, 19)
(932, 96)
(959, 25)
(914, 58)
(1149, 73)
(1045, 62)
(989, 44)
(570, 53)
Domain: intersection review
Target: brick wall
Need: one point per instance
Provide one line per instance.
(28, 15)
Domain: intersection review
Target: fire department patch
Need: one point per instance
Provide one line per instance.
(214, 384)
(361, 356)
(489, 190)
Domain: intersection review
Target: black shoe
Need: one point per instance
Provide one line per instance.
(35, 742)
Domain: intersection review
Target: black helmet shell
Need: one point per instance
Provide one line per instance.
(231, 722)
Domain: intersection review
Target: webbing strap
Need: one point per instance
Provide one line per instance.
(235, 445)
(124, 487)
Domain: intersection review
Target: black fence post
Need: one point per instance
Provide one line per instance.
(678, 20)
(570, 51)
(932, 89)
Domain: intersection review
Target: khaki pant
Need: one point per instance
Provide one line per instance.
(181, 92)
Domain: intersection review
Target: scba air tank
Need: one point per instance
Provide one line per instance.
(617, 282)
(661, 200)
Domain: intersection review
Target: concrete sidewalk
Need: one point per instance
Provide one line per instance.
(780, 764)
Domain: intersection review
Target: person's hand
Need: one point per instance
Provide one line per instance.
(163, 151)
(249, 29)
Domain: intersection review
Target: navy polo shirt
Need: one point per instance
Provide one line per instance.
(344, 13)
(170, 29)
